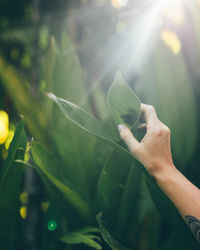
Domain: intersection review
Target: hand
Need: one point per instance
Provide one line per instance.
(154, 150)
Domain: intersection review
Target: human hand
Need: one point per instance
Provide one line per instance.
(154, 150)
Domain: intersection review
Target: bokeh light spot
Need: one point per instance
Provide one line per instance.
(4, 123)
(45, 206)
(26, 61)
(172, 41)
(23, 197)
(4, 117)
(52, 225)
(118, 4)
(23, 212)
(3, 132)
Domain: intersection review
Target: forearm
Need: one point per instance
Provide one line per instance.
(184, 195)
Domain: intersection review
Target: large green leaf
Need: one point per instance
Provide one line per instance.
(64, 77)
(82, 118)
(111, 185)
(94, 126)
(68, 77)
(10, 186)
(123, 103)
(51, 167)
(129, 205)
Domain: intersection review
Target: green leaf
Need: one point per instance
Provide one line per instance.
(10, 187)
(129, 206)
(82, 118)
(124, 110)
(115, 245)
(19, 135)
(51, 167)
(83, 236)
(69, 78)
(89, 230)
(123, 103)
(112, 183)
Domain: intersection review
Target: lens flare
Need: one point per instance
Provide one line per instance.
(174, 13)
(52, 225)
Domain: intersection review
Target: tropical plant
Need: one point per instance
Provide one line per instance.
(86, 169)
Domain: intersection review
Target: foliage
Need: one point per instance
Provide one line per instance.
(91, 179)
(10, 183)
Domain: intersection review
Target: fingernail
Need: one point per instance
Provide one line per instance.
(121, 127)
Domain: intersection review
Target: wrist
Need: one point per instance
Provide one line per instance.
(165, 173)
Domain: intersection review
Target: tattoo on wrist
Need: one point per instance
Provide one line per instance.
(194, 225)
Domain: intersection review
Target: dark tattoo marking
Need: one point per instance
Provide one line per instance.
(194, 225)
(130, 117)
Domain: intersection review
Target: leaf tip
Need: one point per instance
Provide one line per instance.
(50, 95)
(119, 75)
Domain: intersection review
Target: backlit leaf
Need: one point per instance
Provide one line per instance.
(123, 103)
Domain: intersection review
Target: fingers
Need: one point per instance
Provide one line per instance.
(150, 115)
(128, 138)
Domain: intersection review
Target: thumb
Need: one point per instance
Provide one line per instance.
(129, 139)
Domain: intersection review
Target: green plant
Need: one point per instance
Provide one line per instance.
(86, 169)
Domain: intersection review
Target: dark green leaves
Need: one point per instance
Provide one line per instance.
(123, 103)
(10, 184)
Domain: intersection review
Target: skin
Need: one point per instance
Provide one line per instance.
(154, 152)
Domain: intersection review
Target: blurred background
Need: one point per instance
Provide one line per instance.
(74, 48)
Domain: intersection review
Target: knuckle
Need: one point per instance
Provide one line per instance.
(158, 131)
(167, 130)
(134, 150)
(161, 129)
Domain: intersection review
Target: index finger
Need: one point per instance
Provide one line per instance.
(150, 115)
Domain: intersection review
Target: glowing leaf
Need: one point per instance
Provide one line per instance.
(123, 103)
